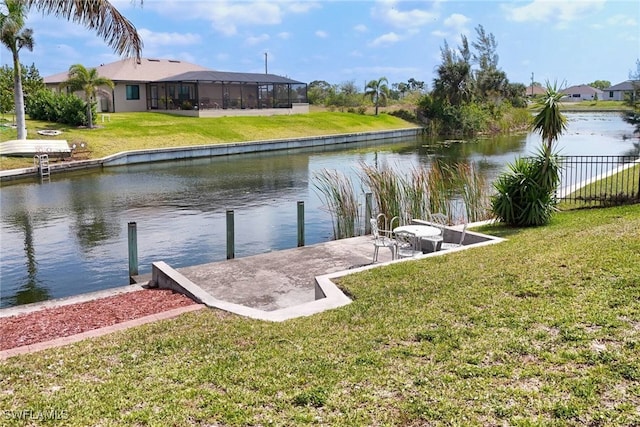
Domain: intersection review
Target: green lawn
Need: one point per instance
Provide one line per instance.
(135, 131)
(595, 106)
(543, 329)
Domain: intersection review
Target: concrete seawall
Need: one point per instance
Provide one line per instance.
(198, 151)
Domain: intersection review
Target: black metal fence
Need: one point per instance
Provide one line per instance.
(600, 180)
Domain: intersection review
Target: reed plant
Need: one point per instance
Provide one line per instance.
(342, 202)
(385, 185)
(439, 188)
(457, 190)
(416, 193)
(474, 193)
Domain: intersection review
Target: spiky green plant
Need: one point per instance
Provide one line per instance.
(521, 200)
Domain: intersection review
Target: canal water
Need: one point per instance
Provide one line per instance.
(69, 236)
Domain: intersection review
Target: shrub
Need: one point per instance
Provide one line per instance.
(57, 107)
(404, 115)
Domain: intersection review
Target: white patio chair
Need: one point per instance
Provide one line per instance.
(406, 245)
(381, 240)
(438, 220)
(445, 245)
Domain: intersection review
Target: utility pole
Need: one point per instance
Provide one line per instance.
(265, 63)
(532, 83)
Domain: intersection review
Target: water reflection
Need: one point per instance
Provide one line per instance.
(69, 236)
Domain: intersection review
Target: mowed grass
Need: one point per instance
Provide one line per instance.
(540, 330)
(137, 131)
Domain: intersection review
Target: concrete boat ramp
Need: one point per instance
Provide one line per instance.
(273, 286)
(276, 285)
(281, 285)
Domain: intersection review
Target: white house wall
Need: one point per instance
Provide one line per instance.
(124, 105)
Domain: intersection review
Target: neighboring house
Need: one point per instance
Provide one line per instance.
(535, 90)
(581, 93)
(190, 89)
(622, 91)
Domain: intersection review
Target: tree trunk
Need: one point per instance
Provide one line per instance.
(89, 116)
(18, 97)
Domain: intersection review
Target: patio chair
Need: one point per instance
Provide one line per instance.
(445, 245)
(381, 240)
(406, 245)
(438, 220)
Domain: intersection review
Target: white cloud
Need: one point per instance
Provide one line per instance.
(225, 15)
(388, 11)
(440, 34)
(154, 39)
(622, 21)
(457, 22)
(561, 12)
(361, 28)
(284, 35)
(356, 54)
(322, 34)
(386, 39)
(302, 7)
(254, 40)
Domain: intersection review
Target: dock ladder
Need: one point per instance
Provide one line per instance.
(41, 161)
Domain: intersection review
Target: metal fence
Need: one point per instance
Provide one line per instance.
(600, 180)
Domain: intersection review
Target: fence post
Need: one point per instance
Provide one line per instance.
(300, 223)
(230, 235)
(133, 249)
(368, 207)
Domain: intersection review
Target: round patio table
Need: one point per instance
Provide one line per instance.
(419, 230)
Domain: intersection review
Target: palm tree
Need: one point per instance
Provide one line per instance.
(14, 36)
(99, 15)
(378, 91)
(88, 81)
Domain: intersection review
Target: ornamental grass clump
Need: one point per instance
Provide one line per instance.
(407, 195)
(342, 201)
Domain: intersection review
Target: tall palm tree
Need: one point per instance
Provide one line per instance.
(14, 36)
(377, 90)
(99, 15)
(88, 81)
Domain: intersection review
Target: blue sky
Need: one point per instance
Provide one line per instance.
(570, 41)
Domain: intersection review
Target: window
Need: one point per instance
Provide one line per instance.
(610, 94)
(133, 92)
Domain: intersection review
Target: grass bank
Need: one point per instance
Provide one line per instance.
(595, 106)
(136, 131)
(526, 332)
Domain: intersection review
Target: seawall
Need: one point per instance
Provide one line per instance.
(211, 150)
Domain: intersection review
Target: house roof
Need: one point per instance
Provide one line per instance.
(228, 77)
(627, 85)
(147, 70)
(537, 90)
(581, 89)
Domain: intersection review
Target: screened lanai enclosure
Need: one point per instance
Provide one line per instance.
(218, 90)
